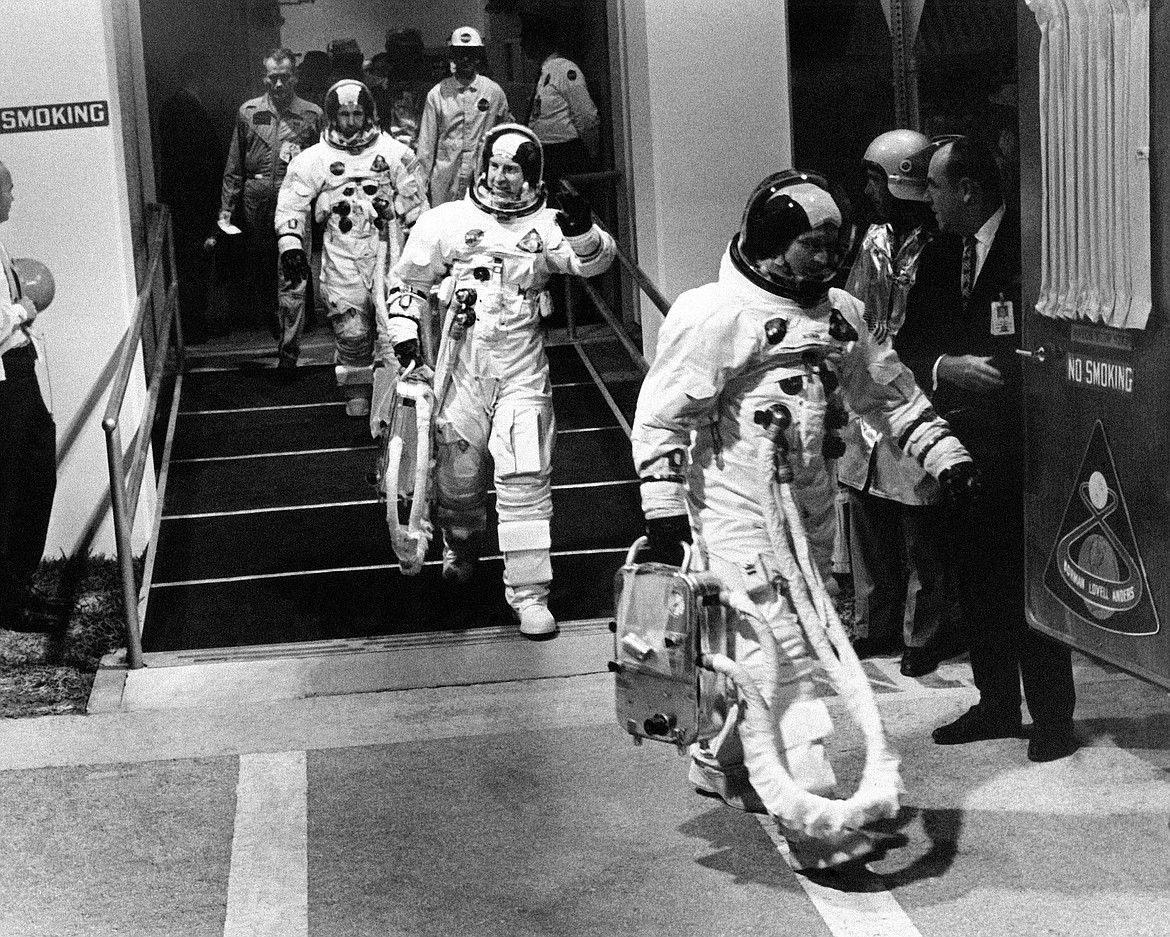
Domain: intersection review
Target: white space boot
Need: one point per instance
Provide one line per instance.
(536, 621)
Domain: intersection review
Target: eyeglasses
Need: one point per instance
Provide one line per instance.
(277, 79)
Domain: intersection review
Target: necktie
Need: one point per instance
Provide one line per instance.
(968, 280)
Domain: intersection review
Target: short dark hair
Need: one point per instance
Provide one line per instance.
(973, 157)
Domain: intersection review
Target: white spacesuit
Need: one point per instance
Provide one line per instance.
(493, 252)
(364, 181)
(769, 337)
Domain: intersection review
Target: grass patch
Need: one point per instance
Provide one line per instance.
(52, 673)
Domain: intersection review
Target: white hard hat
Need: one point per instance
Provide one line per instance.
(892, 151)
(465, 37)
(36, 281)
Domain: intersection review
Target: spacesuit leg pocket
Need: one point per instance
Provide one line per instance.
(522, 441)
(803, 725)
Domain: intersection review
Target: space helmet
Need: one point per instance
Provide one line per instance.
(349, 91)
(784, 206)
(519, 144)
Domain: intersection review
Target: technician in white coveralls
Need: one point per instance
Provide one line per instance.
(363, 180)
(769, 337)
(501, 241)
(458, 111)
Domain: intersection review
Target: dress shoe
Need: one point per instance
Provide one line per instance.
(1049, 743)
(977, 724)
(918, 661)
(875, 647)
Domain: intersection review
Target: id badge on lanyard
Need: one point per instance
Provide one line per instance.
(1003, 317)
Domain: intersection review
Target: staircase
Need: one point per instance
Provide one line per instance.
(271, 534)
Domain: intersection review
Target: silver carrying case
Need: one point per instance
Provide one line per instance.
(666, 618)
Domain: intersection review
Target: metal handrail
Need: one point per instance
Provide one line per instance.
(126, 479)
(639, 276)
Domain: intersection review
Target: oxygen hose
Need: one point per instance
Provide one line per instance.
(410, 543)
(881, 782)
(805, 813)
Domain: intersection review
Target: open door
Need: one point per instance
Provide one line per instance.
(1097, 393)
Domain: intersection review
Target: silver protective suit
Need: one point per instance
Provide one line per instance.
(727, 352)
(882, 279)
(498, 398)
(345, 185)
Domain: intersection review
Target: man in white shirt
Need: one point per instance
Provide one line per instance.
(562, 115)
(28, 446)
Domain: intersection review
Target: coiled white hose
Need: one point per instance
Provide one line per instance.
(878, 792)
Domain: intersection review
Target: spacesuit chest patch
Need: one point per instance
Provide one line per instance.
(775, 330)
(482, 104)
(531, 242)
(473, 237)
(337, 168)
(379, 164)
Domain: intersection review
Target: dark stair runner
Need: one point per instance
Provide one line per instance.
(303, 553)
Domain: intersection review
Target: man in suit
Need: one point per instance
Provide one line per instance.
(964, 356)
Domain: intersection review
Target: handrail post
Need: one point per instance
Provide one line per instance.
(180, 345)
(123, 530)
(570, 310)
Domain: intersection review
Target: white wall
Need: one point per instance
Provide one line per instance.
(311, 25)
(71, 212)
(709, 117)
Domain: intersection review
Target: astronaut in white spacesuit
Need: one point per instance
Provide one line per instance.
(770, 337)
(493, 252)
(365, 184)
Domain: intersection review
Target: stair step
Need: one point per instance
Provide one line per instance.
(362, 603)
(330, 477)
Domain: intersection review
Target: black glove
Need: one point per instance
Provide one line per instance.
(961, 485)
(295, 266)
(575, 216)
(666, 536)
(407, 352)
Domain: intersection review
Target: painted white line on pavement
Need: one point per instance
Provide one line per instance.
(849, 913)
(268, 883)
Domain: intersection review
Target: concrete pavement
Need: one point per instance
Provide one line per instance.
(507, 800)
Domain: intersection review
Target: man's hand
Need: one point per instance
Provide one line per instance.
(961, 485)
(575, 216)
(666, 536)
(970, 372)
(295, 266)
(28, 308)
